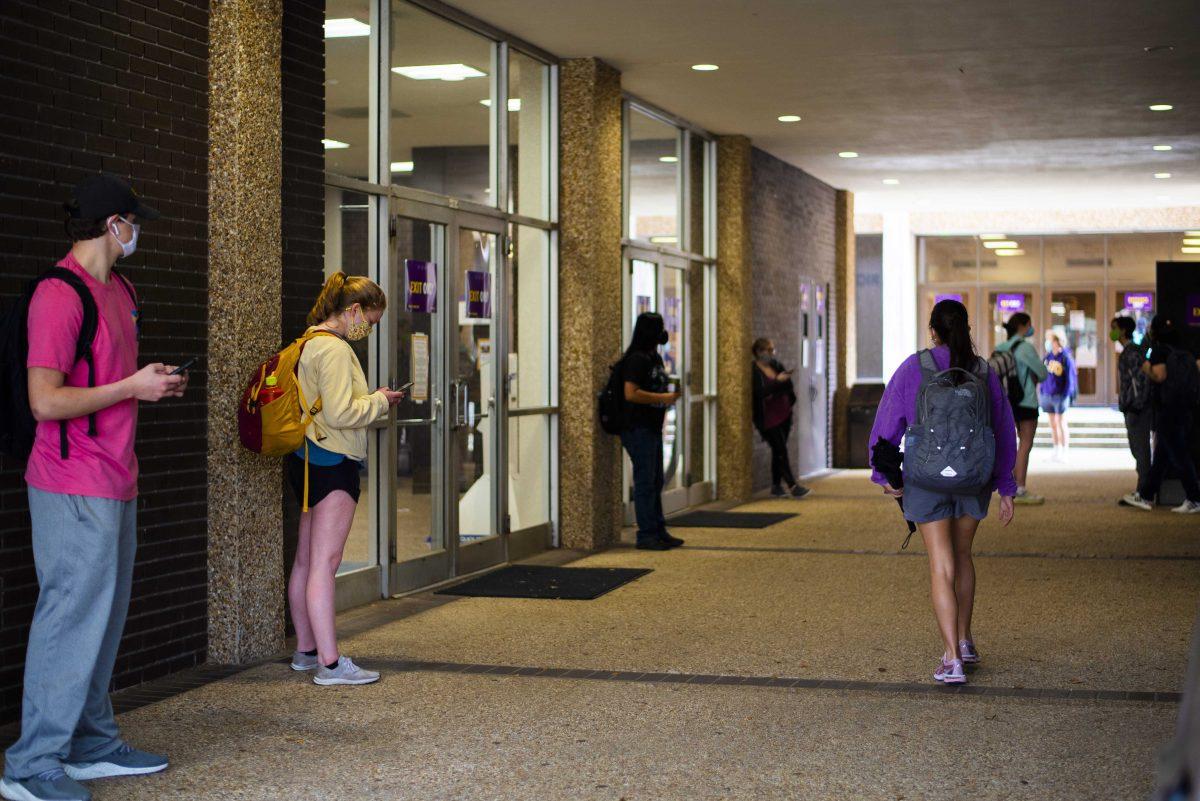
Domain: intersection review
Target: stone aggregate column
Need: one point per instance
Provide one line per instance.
(846, 355)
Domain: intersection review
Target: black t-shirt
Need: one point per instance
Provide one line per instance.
(647, 372)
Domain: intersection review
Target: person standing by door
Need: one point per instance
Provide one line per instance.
(1030, 371)
(774, 397)
(647, 396)
(82, 477)
(1058, 392)
(1133, 399)
(1176, 378)
(335, 446)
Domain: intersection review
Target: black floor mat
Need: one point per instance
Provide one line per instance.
(702, 519)
(538, 581)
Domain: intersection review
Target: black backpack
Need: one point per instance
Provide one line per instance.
(611, 400)
(17, 425)
(1181, 390)
(1004, 363)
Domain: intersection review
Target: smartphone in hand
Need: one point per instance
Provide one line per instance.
(183, 368)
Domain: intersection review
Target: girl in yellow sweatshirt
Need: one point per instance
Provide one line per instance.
(346, 311)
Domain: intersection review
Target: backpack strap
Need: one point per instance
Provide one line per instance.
(929, 367)
(129, 290)
(83, 344)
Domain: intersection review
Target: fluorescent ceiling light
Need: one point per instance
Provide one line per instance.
(986, 237)
(1162, 175)
(1000, 244)
(345, 27)
(1161, 107)
(439, 72)
(664, 240)
(1192, 242)
(1191, 233)
(333, 144)
(668, 159)
(891, 181)
(789, 118)
(514, 103)
(705, 67)
(1163, 148)
(1190, 250)
(848, 154)
(402, 166)
(1009, 252)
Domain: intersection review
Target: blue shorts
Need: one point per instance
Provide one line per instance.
(926, 506)
(1055, 404)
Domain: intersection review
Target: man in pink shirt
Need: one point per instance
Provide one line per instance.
(82, 476)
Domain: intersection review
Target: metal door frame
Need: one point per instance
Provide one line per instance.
(1099, 398)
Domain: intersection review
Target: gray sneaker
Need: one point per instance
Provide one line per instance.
(49, 785)
(125, 761)
(302, 661)
(346, 672)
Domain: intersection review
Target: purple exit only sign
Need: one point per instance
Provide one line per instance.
(1010, 303)
(1139, 301)
(1193, 311)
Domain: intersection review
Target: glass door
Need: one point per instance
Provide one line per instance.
(1003, 303)
(1073, 319)
(1136, 302)
(439, 511)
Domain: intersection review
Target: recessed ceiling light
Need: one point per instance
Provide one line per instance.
(992, 236)
(1163, 148)
(402, 166)
(333, 144)
(848, 154)
(345, 27)
(1161, 107)
(789, 118)
(514, 103)
(891, 181)
(439, 72)
(668, 159)
(1000, 244)
(1190, 250)
(1009, 252)
(1162, 175)
(705, 67)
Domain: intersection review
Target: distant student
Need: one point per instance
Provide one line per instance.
(1058, 392)
(1133, 399)
(774, 395)
(1030, 371)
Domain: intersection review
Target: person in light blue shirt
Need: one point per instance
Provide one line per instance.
(1030, 372)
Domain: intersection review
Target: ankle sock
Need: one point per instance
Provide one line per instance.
(313, 652)
(332, 665)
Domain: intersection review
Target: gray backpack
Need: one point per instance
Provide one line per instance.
(950, 448)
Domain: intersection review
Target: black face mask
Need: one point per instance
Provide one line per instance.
(663, 338)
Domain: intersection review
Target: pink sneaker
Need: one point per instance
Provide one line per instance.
(950, 672)
(969, 655)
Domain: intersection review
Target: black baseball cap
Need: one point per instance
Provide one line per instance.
(99, 196)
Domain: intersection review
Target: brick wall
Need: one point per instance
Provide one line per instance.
(792, 235)
(122, 87)
(303, 201)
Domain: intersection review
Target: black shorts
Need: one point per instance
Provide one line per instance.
(1024, 413)
(323, 480)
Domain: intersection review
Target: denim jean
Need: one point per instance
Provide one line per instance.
(83, 549)
(1171, 448)
(645, 449)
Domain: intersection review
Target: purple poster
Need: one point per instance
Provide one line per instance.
(1139, 301)
(1010, 304)
(947, 296)
(671, 314)
(420, 286)
(1193, 311)
(479, 295)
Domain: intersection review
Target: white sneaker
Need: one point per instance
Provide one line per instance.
(1188, 508)
(1027, 498)
(1136, 501)
(346, 672)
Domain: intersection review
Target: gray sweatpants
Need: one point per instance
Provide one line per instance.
(1138, 426)
(83, 549)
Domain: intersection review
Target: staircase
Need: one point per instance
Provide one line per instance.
(1088, 426)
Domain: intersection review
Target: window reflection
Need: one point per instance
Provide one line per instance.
(347, 77)
(528, 136)
(653, 179)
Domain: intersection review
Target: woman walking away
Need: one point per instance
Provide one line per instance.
(647, 396)
(957, 426)
(329, 373)
(1030, 371)
(774, 397)
(1058, 392)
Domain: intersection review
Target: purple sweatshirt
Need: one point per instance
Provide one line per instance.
(898, 408)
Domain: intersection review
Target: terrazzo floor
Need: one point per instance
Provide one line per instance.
(1077, 595)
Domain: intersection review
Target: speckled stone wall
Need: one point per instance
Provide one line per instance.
(845, 352)
(734, 429)
(589, 298)
(245, 575)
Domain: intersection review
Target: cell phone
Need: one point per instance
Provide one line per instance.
(183, 368)
(401, 389)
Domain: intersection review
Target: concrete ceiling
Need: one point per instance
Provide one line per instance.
(969, 103)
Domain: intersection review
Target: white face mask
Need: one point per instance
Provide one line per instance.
(127, 248)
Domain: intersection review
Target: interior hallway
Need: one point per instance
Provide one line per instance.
(1083, 617)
